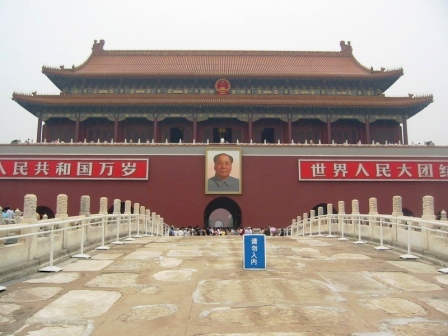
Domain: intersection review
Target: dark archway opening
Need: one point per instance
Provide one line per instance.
(324, 206)
(44, 210)
(407, 212)
(122, 208)
(229, 206)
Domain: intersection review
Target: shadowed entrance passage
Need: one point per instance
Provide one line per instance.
(223, 203)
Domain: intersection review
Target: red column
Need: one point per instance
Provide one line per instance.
(39, 129)
(367, 130)
(405, 131)
(195, 127)
(116, 129)
(155, 129)
(250, 129)
(289, 129)
(328, 130)
(77, 129)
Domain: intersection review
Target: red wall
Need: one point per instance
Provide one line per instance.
(272, 194)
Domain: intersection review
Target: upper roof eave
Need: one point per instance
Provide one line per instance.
(66, 73)
(219, 100)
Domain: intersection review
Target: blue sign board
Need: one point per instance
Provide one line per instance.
(254, 252)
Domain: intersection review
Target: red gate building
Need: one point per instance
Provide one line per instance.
(301, 129)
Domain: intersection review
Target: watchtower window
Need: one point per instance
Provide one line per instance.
(222, 133)
(268, 135)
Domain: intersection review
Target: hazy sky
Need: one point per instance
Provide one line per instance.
(409, 34)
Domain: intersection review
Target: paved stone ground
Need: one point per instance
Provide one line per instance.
(196, 286)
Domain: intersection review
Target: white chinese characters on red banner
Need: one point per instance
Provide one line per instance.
(86, 169)
(372, 170)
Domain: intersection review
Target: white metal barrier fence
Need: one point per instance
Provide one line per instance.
(47, 239)
(414, 235)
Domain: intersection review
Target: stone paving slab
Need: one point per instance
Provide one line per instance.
(195, 286)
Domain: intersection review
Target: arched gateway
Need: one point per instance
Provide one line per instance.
(222, 206)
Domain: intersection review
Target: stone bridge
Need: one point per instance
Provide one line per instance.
(148, 283)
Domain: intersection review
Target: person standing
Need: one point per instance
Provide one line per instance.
(9, 213)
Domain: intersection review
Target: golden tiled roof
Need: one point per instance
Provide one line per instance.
(177, 63)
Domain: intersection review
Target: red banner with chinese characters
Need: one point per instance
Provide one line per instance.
(74, 168)
(373, 170)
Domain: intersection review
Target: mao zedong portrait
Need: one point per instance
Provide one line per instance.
(222, 181)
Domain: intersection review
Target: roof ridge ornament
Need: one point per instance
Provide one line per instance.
(346, 47)
(97, 47)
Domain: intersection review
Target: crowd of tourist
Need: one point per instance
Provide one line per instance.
(221, 231)
(8, 213)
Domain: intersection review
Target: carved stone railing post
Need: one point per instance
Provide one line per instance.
(127, 207)
(117, 212)
(128, 219)
(85, 211)
(329, 209)
(148, 221)
(142, 218)
(305, 222)
(137, 219)
(358, 221)
(85, 206)
(61, 213)
(312, 219)
(341, 219)
(397, 206)
(104, 220)
(444, 219)
(117, 207)
(320, 214)
(18, 216)
(293, 227)
(373, 206)
(355, 211)
(153, 223)
(330, 220)
(299, 220)
(103, 206)
(355, 207)
(29, 217)
(443, 216)
(341, 207)
(29, 210)
(136, 209)
(397, 211)
(428, 214)
(373, 210)
(428, 208)
(158, 231)
(61, 206)
(142, 210)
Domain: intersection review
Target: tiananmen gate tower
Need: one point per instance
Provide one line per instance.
(302, 128)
